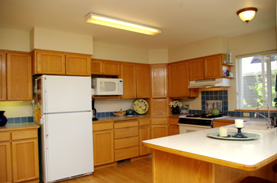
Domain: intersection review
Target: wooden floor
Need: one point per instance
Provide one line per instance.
(139, 171)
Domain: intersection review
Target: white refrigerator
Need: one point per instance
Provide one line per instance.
(64, 109)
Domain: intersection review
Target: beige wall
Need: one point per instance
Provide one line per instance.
(120, 53)
(17, 109)
(16, 40)
(158, 56)
(62, 41)
(198, 49)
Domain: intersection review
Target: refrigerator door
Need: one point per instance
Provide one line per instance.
(68, 145)
(66, 94)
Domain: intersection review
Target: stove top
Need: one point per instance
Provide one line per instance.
(201, 116)
(198, 119)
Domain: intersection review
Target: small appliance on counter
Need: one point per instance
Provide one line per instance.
(130, 112)
(94, 118)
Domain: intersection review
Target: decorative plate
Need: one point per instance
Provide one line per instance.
(249, 136)
(140, 106)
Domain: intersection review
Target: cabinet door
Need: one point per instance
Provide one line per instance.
(96, 67)
(178, 80)
(103, 147)
(159, 80)
(5, 162)
(196, 69)
(159, 131)
(159, 106)
(173, 129)
(3, 86)
(213, 67)
(19, 76)
(143, 81)
(49, 62)
(144, 134)
(25, 160)
(77, 64)
(111, 68)
(128, 74)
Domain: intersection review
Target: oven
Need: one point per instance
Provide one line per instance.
(191, 123)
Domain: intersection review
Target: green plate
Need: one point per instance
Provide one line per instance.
(250, 136)
(140, 106)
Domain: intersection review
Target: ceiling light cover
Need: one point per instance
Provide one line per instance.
(120, 24)
(247, 14)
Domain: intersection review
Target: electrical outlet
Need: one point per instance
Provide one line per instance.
(246, 114)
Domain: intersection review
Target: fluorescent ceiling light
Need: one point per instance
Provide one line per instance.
(120, 24)
(247, 14)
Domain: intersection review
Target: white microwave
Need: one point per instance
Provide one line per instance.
(107, 86)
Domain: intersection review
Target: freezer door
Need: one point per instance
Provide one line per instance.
(66, 94)
(69, 145)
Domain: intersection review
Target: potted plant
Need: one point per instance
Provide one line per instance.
(176, 106)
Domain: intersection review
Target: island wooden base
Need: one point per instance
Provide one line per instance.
(168, 167)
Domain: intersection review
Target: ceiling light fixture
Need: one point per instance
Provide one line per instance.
(120, 24)
(247, 14)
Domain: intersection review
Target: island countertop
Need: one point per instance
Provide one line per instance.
(245, 155)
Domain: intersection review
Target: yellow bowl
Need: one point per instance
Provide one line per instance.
(119, 114)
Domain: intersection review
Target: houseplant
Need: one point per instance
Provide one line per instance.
(176, 106)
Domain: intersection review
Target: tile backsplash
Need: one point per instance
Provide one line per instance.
(20, 120)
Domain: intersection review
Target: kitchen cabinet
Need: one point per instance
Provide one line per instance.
(19, 76)
(128, 74)
(159, 80)
(159, 106)
(173, 125)
(144, 134)
(209, 67)
(219, 123)
(126, 139)
(19, 156)
(5, 158)
(143, 81)
(103, 143)
(104, 67)
(159, 127)
(178, 80)
(61, 63)
(3, 79)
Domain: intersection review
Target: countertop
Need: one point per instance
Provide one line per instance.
(19, 126)
(246, 155)
(113, 118)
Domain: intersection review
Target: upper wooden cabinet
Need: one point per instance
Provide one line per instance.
(19, 76)
(128, 74)
(3, 86)
(159, 80)
(209, 67)
(143, 81)
(196, 69)
(104, 67)
(61, 63)
(178, 80)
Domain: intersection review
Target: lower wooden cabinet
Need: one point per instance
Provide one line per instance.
(173, 130)
(5, 162)
(19, 156)
(158, 131)
(103, 143)
(218, 122)
(144, 134)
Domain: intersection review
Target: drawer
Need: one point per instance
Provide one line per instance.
(124, 124)
(174, 121)
(102, 126)
(126, 132)
(127, 142)
(24, 134)
(144, 121)
(126, 153)
(159, 121)
(5, 136)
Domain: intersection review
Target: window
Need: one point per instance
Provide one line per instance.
(256, 81)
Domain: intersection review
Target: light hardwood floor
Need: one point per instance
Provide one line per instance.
(139, 171)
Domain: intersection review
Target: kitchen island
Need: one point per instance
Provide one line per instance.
(195, 158)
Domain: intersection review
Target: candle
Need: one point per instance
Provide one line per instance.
(223, 132)
(239, 123)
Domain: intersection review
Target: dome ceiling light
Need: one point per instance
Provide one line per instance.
(247, 14)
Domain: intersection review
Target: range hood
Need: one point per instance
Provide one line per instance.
(210, 83)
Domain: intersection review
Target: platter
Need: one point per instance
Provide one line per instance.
(249, 136)
(140, 106)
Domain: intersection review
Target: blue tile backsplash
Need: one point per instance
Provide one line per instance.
(20, 120)
(223, 96)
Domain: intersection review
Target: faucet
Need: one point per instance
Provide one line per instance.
(269, 124)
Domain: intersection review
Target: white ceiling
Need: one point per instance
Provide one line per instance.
(181, 21)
